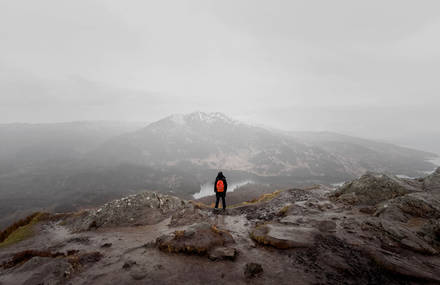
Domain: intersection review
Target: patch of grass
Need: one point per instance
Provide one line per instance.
(215, 229)
(312, 187)
(21, 230)
(283, 211)
(179, 234)
(263, 198)
(199, 205)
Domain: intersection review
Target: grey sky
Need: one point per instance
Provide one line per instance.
(366, 68)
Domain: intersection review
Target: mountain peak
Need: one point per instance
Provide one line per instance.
(201, 117)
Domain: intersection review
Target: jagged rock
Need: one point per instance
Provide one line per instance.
(371, 189)
(252, 270)
(348, 198)
(219, 253)
(422, 205)
(199, 239)
(146, 208)
(283, 236)
(431, 183)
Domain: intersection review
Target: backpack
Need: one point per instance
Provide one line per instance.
(220, 186)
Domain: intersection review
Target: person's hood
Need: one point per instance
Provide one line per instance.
(220, 175)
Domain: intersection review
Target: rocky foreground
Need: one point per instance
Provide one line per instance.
(377, 229)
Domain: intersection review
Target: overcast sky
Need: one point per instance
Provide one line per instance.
(368, 68)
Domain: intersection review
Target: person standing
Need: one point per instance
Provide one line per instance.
(220, 188)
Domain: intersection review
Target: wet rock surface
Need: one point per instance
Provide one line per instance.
(284, 237)
(385, 230)
(135, 210)
(198, 239)
(373, 188)
(422, 205)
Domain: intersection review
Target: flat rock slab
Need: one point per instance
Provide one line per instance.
(284, 236)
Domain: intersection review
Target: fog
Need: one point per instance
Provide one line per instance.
(367, 69)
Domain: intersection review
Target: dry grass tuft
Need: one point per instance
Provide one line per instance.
(21, 229)
(263, 198)
(283, 211)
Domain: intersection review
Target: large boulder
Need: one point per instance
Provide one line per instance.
(284, 236)
(200, 239)
(371, 189)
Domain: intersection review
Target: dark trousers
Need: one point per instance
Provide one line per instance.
(218, 195)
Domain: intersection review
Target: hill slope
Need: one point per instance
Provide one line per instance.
(215, 141)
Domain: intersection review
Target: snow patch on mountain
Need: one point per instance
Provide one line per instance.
(208, 118)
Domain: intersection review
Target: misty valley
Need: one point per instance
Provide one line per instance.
(70, 166)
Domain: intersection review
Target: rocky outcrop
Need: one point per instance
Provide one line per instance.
(146, 208)
(372, 188)
(408, 267)
(431, 183)
(284, 237)
(396, 235)
(199, 239)
(419, 205)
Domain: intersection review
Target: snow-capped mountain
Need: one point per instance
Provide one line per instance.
(215, 141)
